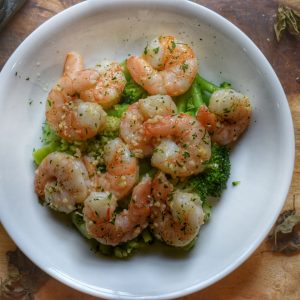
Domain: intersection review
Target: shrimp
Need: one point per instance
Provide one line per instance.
(185, 144)
(74, 120)
(109, 228)
(227, 116)
(131, 127)
(70, 117)
(167, 67)
(176, 216)
(102, 84)
(122, 170)
(62, 180)
(108, 86)
(75, 78)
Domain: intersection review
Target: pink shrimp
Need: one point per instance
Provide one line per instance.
(176, 216)
(62, 180)
(168, 67)
(70, 117)
(122, 170)
(131, 127)
(227, 116)
(112, 229)
(184, 147)
(108, 86)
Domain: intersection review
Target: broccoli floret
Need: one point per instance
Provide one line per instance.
(132, 92)
(206, 85)
(52, 142)
(213, 181)
(195, 96)
(41, 153)
(49, 136)
(235, 183)
(117, 110)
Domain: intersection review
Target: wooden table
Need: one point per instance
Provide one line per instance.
(264, 275)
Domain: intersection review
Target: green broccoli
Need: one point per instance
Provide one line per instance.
(205, 85)
(132, 92)
(210, 87)
(198, 94)
(191, 100)
(117, 110)
(52, 142)
(41, 153)
(213, 181)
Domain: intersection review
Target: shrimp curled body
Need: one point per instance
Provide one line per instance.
(168, 67)
(74, 120)
(227, 116)
(62, 180)
(103, 225)
(122, 169)
(70, 117)
(176, 216)
(107, 86)
(184, 147)
(131, 127)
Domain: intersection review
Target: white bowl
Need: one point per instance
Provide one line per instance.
(262, 160)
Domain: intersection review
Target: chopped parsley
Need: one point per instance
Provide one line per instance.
(184, 67)
(186, 154)
(155, 50)
(146, 50)
(235, 183)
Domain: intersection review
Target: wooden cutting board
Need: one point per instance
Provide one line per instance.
(265, 275)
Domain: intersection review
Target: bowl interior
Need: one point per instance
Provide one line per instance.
(242, 217)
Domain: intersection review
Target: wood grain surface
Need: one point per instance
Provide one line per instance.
(264, 275)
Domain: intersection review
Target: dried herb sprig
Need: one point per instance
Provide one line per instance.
(23, 279)
(288, 19)
(285, 236)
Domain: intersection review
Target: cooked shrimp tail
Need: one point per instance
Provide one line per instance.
(73, 64)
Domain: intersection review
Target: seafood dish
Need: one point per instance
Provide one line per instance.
(134, 151)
